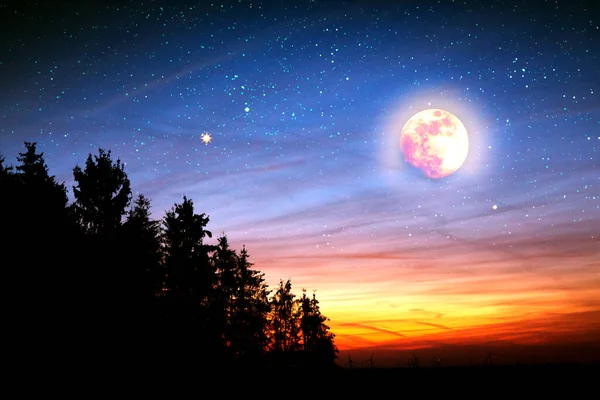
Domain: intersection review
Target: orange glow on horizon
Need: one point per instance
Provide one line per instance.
(464, 293)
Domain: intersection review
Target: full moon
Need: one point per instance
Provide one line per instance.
(434, 141)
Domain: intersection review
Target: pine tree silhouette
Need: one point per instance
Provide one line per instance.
(99, 281)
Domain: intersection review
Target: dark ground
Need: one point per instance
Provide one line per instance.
(202, 381)
(542, 378)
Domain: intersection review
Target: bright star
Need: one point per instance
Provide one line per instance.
(206, 138)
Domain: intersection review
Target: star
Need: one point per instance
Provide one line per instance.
(206, 138)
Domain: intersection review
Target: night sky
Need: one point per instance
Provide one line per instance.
(304, 102)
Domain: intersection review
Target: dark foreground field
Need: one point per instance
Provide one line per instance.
(524, 381)
(544, 377)
(553, 369)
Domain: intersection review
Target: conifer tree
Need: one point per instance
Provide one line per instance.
(190, 309)
(285, 329)
(317, 340)
(102, 193)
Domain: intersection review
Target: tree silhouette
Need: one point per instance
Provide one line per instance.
(190, 309)
(100, 279)
(224, 261)
(317, 340)
(102, 193)
(284, 323)
(42, 202)
(186, 255)
(252, 309)
(141, 238)
(36, 248)
(44, 198)
(4, 170)
(10, 193)
(244, 299)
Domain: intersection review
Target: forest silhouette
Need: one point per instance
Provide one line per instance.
(97, 279)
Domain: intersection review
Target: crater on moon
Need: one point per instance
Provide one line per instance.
(434, 141)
